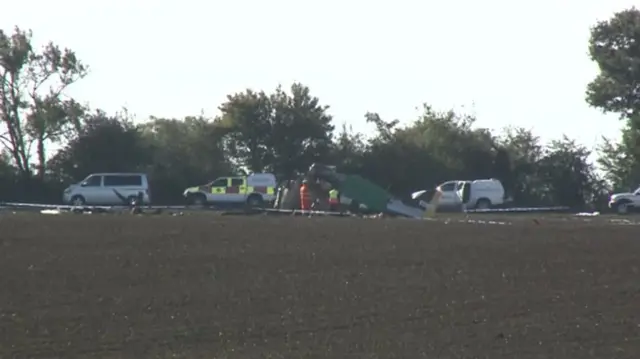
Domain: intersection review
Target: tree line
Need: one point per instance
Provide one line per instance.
(287, 129)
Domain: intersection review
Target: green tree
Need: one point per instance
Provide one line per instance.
(33, 83)
(247, 117)
(348, 150)
(557, 174)
(503, 170)
(301, 130)
(615, 46)
(566, 176)
(525, 151)
(621, 160)
(7, 177)
(185, 153)
(105, 144)
(384, 130)
(388, 157)
(438, 146)
(283, 133)
(462, 150)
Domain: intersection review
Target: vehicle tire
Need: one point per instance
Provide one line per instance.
(483, 203)
(622, 207)
(255, 201)
(78, 201)
(197, 199)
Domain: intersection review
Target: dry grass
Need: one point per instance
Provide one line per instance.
(218, 287)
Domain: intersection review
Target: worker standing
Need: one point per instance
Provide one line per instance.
(305, 197)
(334, 200)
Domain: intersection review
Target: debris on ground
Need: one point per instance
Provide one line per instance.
(587, 214)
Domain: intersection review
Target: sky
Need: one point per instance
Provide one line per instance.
(509, 63)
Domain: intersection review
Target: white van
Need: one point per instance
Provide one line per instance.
(483, 194)
(108, 189)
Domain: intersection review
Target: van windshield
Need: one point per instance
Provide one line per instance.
(92, 181)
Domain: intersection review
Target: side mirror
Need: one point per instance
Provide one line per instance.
(83, 184)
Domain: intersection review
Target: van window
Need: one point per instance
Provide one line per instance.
(237, 182)
(93, 181)
(122, 180)
(261, 180)
(220, 182)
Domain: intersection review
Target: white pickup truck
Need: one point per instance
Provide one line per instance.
(484, 194)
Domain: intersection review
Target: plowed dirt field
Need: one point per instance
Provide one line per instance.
(205, 286)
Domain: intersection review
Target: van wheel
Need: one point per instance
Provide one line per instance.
(197, 199)
(483, 203)
(77, 201)
(255, 201)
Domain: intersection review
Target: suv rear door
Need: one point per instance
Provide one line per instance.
(237, 190)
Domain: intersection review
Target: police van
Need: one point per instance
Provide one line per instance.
(254, 190)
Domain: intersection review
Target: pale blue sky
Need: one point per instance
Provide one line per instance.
(521, 63)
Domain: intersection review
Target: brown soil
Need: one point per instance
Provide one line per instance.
(205, 286)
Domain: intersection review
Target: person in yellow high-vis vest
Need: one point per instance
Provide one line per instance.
(334, 200)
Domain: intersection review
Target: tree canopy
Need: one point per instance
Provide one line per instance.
(614, 46)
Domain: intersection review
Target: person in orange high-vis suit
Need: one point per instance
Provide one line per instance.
(305, 197)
